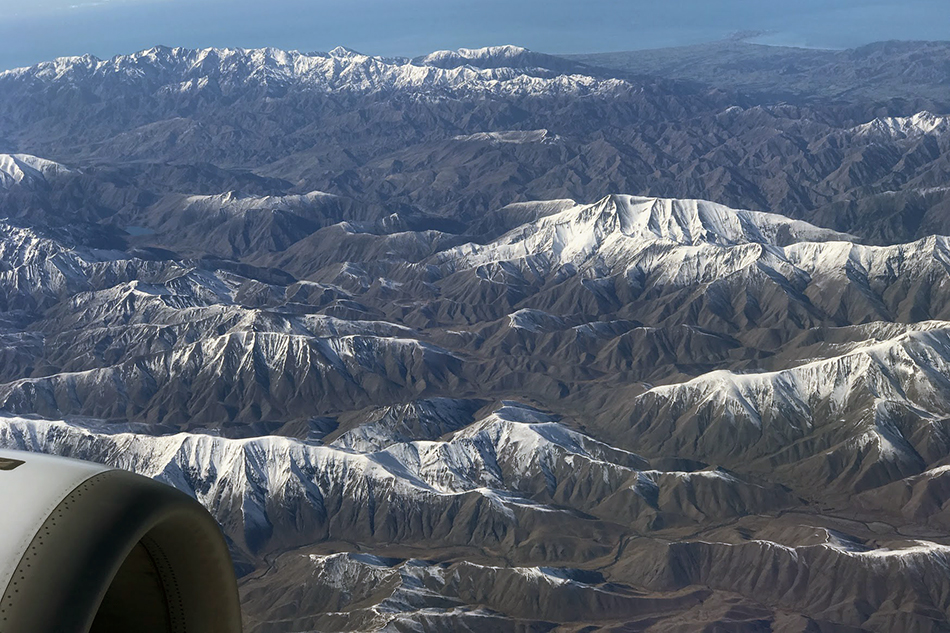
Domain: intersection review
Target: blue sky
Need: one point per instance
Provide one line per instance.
(36, 30)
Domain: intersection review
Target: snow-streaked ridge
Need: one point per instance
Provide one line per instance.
(864, 393)
(920, 124)
(171, 70)
(19, 169)
(619, 226)
(253, 477)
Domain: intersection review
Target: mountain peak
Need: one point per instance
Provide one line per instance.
(469, 55)
(688, 222)
(618, 229)
(344, 52)
(490, 57)
(24, 169)
(917, 125)
(506, 50)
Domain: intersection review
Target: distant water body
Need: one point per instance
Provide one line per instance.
(44, 29)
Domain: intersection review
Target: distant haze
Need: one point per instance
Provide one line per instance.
(36, 30)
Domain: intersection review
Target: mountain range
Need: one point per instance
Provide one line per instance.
(495, 340)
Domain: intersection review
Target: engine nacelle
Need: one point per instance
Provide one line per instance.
(89, 549)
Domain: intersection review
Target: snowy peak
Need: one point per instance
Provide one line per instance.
(487, 57)
(499, 57)
(492, 52)
(236, 202)
(692, 222)
(877, 404)
(619, 227)
(897, 128)
(342, 52)
(26, 170)
(892, 369)
(516, 137)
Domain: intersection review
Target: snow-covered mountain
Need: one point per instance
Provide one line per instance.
(648, 258)
(618, 228)
(517, 463)
(26, 171)
(880, 408)
(493, 483)
(497, 71)
(500, 57)
(37, 269)
(920, 124)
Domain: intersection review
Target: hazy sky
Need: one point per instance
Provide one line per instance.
(36, 30)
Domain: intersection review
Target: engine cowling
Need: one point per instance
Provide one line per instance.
(89, 549)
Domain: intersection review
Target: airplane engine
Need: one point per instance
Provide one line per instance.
(89, 549)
